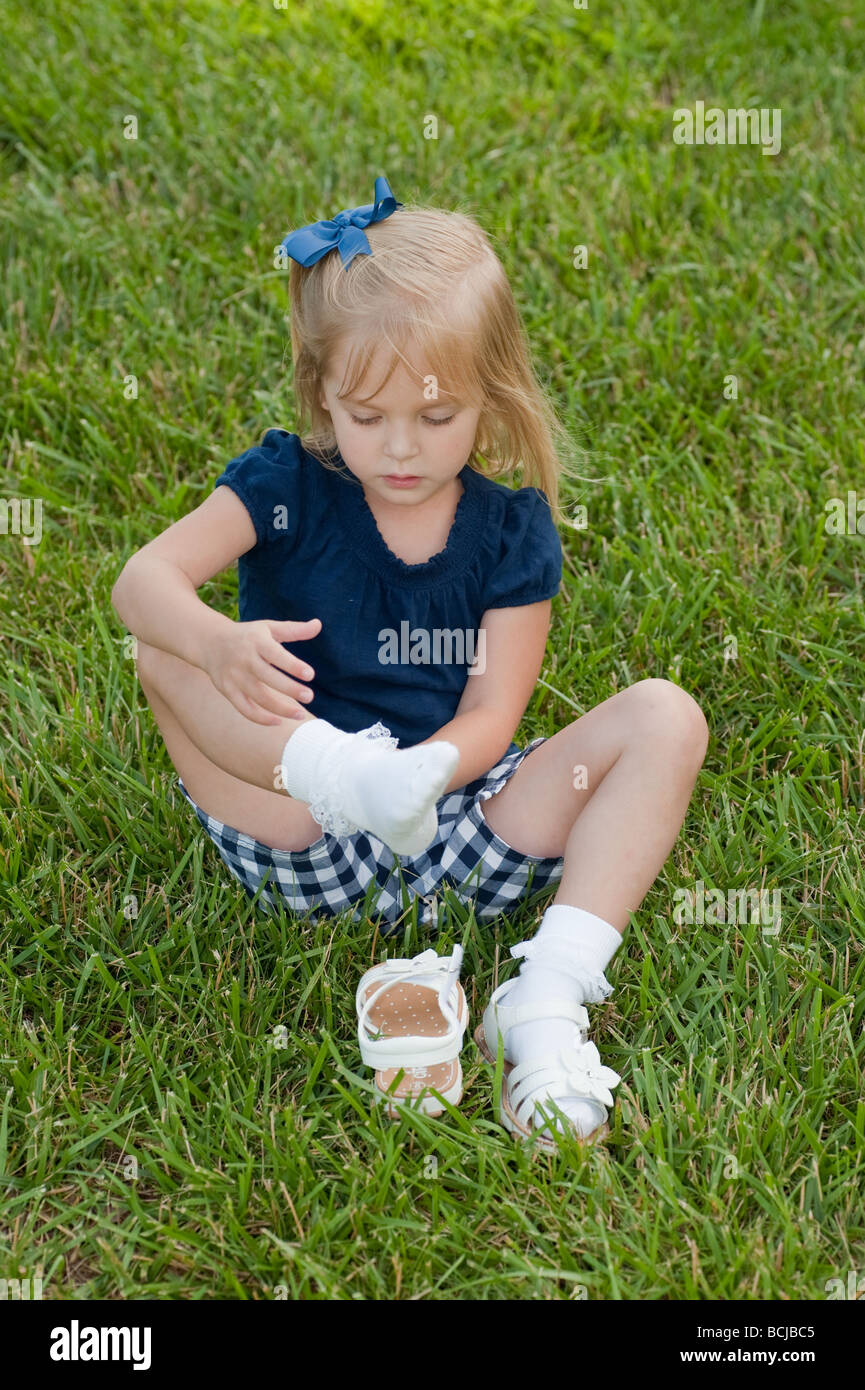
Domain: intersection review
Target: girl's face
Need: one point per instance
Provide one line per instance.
(401, 434)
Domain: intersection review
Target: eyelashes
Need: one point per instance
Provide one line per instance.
(356, 420)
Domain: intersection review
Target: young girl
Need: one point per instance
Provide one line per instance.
(392, 591)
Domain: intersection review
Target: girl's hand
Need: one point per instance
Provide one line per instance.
(240, 661)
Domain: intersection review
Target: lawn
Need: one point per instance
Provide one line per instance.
(161, 1136)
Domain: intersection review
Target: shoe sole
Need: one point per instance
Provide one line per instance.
(397, 1016)
(507, 1117)
(418, 1099)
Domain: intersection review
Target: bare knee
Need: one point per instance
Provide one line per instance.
(665, 708)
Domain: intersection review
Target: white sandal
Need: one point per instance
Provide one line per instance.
(412, 1016)
(575, 1072)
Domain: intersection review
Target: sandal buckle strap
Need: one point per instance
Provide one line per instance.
(577, 1072)
(410, 1052)
(510, 1015)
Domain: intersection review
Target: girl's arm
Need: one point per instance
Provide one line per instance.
(494, 701)
(481, 745)
(155, 597)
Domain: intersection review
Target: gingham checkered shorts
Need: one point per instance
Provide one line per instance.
(333, 874)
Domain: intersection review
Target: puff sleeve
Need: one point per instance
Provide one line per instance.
(529, 561)
(267, 480)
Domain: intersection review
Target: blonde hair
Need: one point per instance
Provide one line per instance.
(434, 283)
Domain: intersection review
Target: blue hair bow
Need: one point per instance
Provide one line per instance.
(345, 231)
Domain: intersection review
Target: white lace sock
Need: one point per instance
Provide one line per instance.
(585, 944)
(362, 781)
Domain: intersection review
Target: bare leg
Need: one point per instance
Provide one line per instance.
(642, 750)
(227, 763)
(391, 792)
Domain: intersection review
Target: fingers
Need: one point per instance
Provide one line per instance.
(270, 699)
(264, 706)
(288, 628)
(273, 651)
(277, 681)
(276, 655)
(260, 677)
(244, 706)
(290, 631)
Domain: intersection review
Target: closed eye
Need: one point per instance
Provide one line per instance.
(373, 419)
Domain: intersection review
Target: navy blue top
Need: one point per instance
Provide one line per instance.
(396, 640)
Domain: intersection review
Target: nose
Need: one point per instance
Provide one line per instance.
(401, 445)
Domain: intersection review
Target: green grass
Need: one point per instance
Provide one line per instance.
(735, 1165)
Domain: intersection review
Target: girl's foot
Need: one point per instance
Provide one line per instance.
(543, 1029)
(544, 1024)
(361, 781)
(572, 1078)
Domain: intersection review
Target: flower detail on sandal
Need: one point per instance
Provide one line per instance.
(569, 1074)
(586, 1073)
